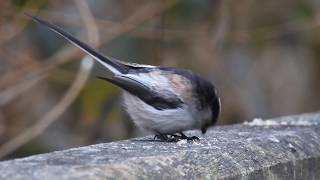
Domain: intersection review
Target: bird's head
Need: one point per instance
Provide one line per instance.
(209, 101)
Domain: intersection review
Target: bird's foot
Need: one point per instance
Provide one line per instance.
(165, 138)
(174, 137)
(193, 138)
(156, 137)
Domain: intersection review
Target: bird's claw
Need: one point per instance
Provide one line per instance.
(174, 138)
(156, 137)
(193, 138)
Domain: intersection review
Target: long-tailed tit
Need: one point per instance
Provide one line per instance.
(163, 100)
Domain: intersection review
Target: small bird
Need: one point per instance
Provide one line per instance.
(163, 100)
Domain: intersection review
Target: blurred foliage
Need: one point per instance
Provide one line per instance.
(263, 56)
(92, 99)
(303, 9)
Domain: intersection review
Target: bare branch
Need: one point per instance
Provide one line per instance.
(70, 53)
(52, 115)
(68, 98)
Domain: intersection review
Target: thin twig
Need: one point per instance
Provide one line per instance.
(16, 26)
(66, 55)
(70, 53)
(89, 21)
(68, 98)
(51, 116)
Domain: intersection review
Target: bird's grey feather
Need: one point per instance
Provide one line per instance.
(145, 93)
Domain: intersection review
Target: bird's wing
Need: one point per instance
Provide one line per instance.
(146, 93)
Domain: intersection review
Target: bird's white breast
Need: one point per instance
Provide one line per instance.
(163, 121)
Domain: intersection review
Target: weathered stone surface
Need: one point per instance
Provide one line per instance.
(282, 148)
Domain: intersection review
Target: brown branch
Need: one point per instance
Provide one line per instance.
(89, 21)
(64, 56)
(51, 116)
(16, 26)
(68, 98)
(69, 53)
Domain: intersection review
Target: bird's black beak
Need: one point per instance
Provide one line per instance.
(203, 130)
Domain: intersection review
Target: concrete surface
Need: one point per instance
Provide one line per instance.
(281, 148)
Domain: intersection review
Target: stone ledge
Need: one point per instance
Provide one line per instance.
(281, 148)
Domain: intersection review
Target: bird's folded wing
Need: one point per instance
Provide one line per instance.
(146, 93)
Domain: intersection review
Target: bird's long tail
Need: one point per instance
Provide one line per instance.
(114, 66)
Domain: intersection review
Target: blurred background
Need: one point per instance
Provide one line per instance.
(263, 57)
